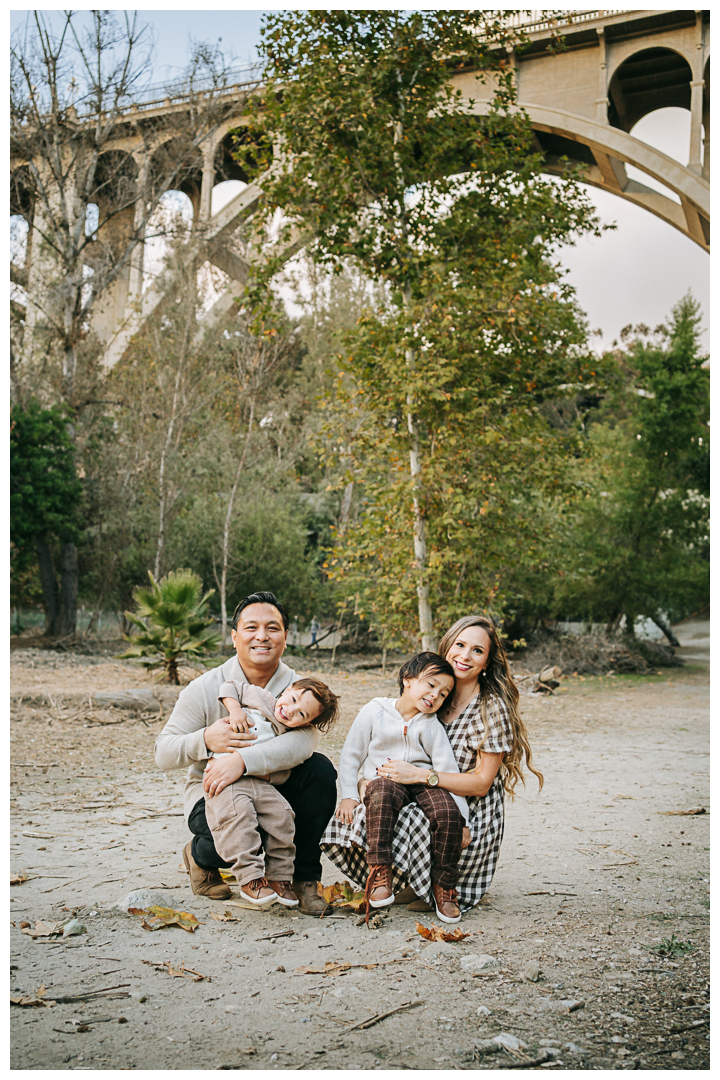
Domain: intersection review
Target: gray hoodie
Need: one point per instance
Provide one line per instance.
(379, 732)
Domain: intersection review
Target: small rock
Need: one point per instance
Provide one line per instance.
(483, 1010)
(573, 1048)
(546, 1053)
(618, 1038)
(509, 1042)
(484, 1046)
(678, 1055)
(570, 1005)
(623, 1051)
(24, 924)
(145, 898)
(279, 968)
(549, 1042)
(437, 949)
(74, 926)
(531, 971)
(478, 962)
(623, 1017)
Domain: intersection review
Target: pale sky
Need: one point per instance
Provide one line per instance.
(632, 275)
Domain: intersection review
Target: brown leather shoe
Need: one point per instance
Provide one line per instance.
(258, 893)
(204, 882)
(284, 892)
(311, 903)
(446, 905)
(378, 890)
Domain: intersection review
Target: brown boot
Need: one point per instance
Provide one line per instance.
(258, 893)
(284, 892)
(311, 903)
(204, 882)
(446, 905)
(406, 896)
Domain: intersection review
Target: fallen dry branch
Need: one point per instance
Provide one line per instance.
(181, 972)
(684, 813)
(376, 1019)
(334, 967)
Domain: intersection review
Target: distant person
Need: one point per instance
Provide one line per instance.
(314, 630)
(199, 725)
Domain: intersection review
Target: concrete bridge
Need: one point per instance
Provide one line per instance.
(583, 99)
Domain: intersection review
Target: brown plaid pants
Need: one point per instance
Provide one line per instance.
(384, 799)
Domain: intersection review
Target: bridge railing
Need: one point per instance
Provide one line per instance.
(540, 21)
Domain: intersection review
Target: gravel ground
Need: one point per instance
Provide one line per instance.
(596, 873)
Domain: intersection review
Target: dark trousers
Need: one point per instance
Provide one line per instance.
(311, 792)
(384, 799)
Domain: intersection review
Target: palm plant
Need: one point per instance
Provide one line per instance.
(172, 622)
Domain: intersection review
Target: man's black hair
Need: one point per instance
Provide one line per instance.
(424, 663)
(261, 598)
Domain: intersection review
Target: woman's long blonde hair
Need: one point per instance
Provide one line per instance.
(497, 682)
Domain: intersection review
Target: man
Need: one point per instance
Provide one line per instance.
(198, 724)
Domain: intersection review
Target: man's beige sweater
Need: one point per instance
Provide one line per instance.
(181, 744)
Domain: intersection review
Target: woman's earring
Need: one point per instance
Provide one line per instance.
(483, 672)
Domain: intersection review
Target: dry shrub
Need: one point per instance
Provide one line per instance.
(595, 654)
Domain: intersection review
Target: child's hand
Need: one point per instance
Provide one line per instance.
(239, 721)
(238, 718)
(466, 838)
(219, 772)
(344, 811)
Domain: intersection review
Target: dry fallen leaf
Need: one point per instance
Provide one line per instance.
(17, 877)
(42, 929)
(224, 916)
(158, 917)
(436, 933)
(341, 894)
(38, 998)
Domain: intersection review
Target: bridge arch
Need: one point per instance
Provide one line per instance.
(647, 80)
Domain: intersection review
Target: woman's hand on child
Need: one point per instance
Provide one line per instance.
(402, 772)
(219, 772)
(220, 737)
(466, 838)
(345, 810)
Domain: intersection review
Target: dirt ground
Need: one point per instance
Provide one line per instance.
(601, 882)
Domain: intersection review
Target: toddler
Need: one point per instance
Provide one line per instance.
(236, 814)
(406, 729)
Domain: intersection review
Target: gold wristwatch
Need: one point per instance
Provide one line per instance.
(432, 779)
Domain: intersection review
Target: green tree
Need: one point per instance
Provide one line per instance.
(639, 540)
(381, 162)
(45, 502)
(172, 623)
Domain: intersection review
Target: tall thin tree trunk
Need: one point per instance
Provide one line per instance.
(49, 585)
(226, 529)
(427, 634)
(161, 476)
(68, 590)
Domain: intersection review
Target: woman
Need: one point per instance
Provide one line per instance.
(489, 741)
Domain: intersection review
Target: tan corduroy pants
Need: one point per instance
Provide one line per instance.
(237, 815)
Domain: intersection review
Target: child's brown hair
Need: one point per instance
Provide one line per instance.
(329, 703)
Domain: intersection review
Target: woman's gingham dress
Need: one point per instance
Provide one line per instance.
(345, 845)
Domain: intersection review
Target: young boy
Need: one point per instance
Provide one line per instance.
(237, 813)
(408, 730)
